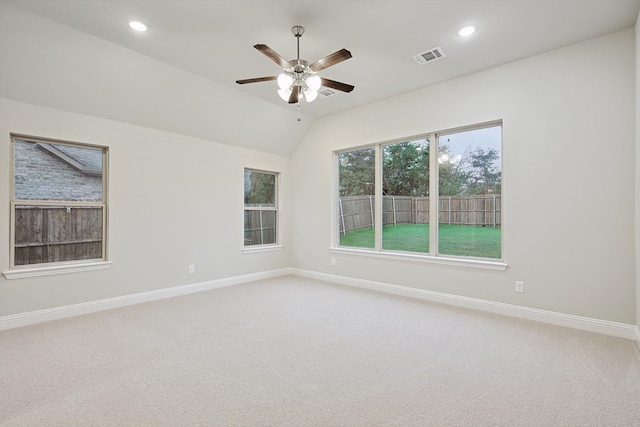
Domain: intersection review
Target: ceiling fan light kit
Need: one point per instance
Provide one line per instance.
(299, 79)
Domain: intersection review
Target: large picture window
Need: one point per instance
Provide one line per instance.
(391, 194)
(260, 208)
(58, 208)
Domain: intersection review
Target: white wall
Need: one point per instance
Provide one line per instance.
(173, 201)
(637, 157)
(568, 145)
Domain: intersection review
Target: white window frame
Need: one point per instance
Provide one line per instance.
(50, 268)
(433, 257)
(268, 247)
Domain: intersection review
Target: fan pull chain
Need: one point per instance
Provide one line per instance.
(299, 119)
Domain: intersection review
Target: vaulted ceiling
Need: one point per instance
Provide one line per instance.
(209, 45)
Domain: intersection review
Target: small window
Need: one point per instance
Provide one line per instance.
(260, 208)
(58, 206)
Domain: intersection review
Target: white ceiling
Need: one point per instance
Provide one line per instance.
(213, 39)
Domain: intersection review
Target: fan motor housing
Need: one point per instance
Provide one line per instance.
(297, 30)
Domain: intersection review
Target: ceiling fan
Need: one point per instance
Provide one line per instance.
(299, 79)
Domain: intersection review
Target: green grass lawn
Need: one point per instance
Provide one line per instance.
(459, 240)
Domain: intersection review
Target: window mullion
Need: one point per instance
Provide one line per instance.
(63, 203)
(433, 194)
(378, 198)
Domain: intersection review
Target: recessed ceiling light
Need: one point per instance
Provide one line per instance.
(137, 25)
(467, 30)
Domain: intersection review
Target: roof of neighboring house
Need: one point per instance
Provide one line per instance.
(86, 160)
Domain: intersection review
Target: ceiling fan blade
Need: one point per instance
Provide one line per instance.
(337, 85)
(256, 80)
(295, 95)
(273, 55)
(333, 59)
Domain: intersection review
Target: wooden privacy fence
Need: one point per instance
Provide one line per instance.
(356, 212)
(259, 227)
(53, 234)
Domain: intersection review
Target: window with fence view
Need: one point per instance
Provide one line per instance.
(464, 177)
(260, 208)
(356, 206)
(58, 207)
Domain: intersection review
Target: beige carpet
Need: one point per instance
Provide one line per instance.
(298, 352)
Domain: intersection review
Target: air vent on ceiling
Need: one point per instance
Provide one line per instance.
(429, 56)
(326, 92)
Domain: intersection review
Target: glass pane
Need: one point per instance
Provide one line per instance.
(405, 201)
(46, 171)
(259, 189)
(53, 234)
(356, 203)
(470, 181)
(259, 227)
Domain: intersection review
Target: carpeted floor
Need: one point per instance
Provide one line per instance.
(292, 351)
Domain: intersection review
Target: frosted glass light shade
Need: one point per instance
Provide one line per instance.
(284, 81)
(314, 83)
(310, 95)
(284, 94)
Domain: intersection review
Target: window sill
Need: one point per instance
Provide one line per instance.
(21, 273)
(397, 256)
(260, 249)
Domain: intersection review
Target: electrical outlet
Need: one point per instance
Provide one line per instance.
(333, 261)
(192, 269)
(519, 286)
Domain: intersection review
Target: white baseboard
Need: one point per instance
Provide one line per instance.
(615, 329)
(638, 334)
(56, 313)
